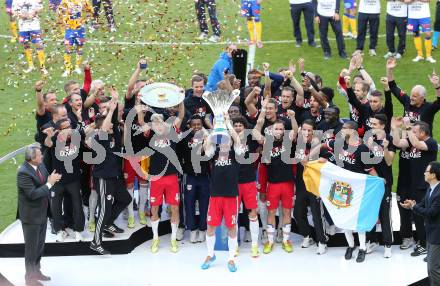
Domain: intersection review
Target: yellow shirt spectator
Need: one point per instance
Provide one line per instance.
(72, 12)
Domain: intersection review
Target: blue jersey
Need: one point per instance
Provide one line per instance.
(251, 8)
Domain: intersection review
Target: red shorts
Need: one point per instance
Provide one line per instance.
(247, 193)
(130, 172)
(167, 186)
(277, 192)
(223, 207)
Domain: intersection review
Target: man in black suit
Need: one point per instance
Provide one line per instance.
(429, 209)
(34, 183)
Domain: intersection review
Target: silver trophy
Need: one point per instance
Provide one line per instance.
(220, 101)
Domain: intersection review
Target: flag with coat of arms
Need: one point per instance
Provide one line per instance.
(352, 199)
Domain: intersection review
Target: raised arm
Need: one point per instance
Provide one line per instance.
(294, 131)
(398, 141)
(39, 97)
(415, 142)
(250, 101)
(90, 100)
(107, 124)
(434, 79)
(234, 135)
(134, 77)
(352, 99)
(87, 78)
(256, 132)
(181, 114)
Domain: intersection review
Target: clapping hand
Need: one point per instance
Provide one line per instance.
(54, 178)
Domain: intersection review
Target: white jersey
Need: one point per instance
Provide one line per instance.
(300, 1)
(418, 10)
(326, 8)
(21, 7)
(369, 6)
(397, 9)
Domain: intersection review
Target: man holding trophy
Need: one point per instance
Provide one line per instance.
(223, 144)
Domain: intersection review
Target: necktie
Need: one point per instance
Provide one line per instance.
(40, 176)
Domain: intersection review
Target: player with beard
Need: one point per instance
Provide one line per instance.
(223, 203)
(196, 187)
(331, 124)
(316, 111)
(280, 176)
(164, 166)
(369, 109)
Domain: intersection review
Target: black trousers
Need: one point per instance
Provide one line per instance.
(58, 192)
(393, 23)
(364, 20)
(108, 10)
(201, 16)
(385, 220)
(323, 34)
(434, 264)
(406, 216)
(113, 198)
(34, 238)
(295, 14)
(302, 200)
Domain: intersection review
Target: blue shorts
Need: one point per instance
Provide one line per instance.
(414, 24)
(30, 36)
(250, 8)
(75, 36)
(8, 5)
(350, 4)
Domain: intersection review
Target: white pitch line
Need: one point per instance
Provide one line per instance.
(152, 43)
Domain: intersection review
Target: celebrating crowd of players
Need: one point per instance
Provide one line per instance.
(105, 148)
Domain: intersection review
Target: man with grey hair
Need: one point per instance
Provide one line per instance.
(34, 184)
(415, 105)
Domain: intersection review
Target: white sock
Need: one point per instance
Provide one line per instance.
(280, 218)
(174, 230)
(130, 206)
(362, 240)
(254, 228)
(232, 245)
(155, 227)
(93, 201)
(143, 196)
(349, 237)
(286, 232)
(262, 210)
(270, 233)
(210, 243)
